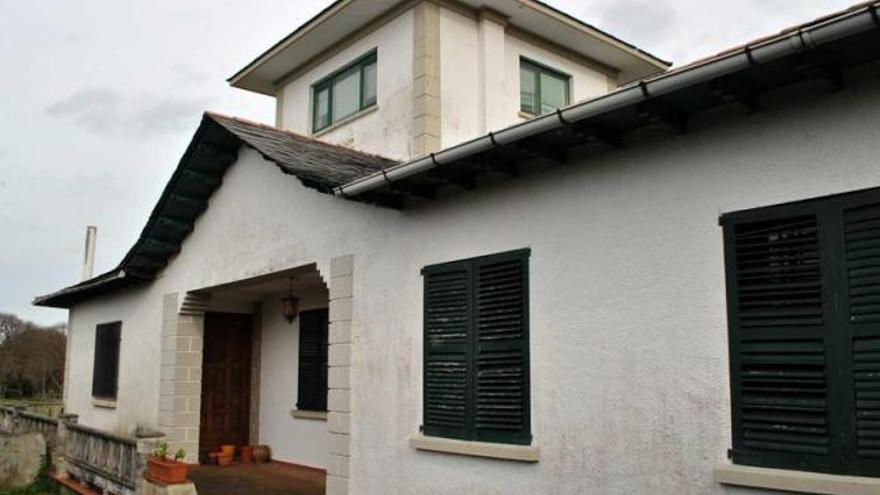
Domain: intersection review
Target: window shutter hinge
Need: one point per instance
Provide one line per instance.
(730, 454)
(421, 428)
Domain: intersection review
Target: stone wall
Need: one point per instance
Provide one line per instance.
(21, 457)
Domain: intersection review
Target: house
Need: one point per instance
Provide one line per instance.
(490, 249)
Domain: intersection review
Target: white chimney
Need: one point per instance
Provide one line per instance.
(89, 261)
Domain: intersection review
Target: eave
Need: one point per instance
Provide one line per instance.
(345, 18)
(819, 50)
(213, 149)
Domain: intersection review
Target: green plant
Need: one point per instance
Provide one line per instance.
(179, 455)
(161, 451)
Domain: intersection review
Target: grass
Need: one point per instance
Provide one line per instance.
(47, 407)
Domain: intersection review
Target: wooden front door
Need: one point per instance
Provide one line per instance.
(226, 382)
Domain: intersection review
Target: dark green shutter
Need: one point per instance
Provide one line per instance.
(861, 329)
(777, 297)
(106, 364)
(502, 359)
(476, 349)
(312, 381)
(448, 357)
(803, 296)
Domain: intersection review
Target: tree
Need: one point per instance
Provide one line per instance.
(31, 357)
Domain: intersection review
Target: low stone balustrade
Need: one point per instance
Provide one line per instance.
(112, 463)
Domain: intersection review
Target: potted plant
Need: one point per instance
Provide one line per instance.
(247, 454)
(169, 471)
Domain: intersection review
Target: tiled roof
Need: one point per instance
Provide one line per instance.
(212, 150)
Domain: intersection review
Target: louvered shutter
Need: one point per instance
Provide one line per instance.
(448, 366)
(312, 378)
(782, 359)
(861, 329)
(106, 363)
(476, 382)
(502, 357)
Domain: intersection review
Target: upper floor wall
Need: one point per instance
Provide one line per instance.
(382, 128)
(480, 85)
(444, 74)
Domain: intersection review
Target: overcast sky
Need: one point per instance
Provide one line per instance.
(99, 98)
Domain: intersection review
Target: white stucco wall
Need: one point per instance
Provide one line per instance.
(478, 64)
(139, 355)
(297, 440)
(628, 332)
(460, 95)
(386, 130)
(586, 82)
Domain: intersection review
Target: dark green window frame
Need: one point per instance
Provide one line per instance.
(476, 349)
(538, 70)
(365, 100)
(803, 305)
(105, 371)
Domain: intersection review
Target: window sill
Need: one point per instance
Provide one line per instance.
(104, 403)
(346, 120)
(795, 481)
(527, 115)
(304, 414)
(521, 453)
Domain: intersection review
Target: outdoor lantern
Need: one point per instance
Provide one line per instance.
(290, 305)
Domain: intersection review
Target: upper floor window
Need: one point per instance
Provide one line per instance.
(345, 92)
(803, 299)
(542, 89)
(105, 374)
(476, 368)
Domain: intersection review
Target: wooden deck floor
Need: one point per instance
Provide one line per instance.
(258, 479)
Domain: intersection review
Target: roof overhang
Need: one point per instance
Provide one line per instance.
(213, 149)
(343, 18)
(819, 50)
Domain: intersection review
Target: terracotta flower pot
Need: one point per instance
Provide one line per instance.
(224, 459)
(228, 449)
(261, 453)
(247, 454)
(170, 472)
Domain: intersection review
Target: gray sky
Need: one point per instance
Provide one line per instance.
(99, 98)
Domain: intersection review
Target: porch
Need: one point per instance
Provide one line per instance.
(239, 369)
(264, 372)
(273, 478)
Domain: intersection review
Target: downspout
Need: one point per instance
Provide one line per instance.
(763, 52)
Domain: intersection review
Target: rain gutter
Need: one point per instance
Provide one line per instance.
(789, 43)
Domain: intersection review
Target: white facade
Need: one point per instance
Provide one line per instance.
(300, 440)
(479, 81)
(629, 380)
(386, 127)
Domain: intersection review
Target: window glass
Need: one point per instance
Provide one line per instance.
(369, 84)
(542, 90)
(346, 94)
(528, 89)
(322, 108)
(554, 92)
